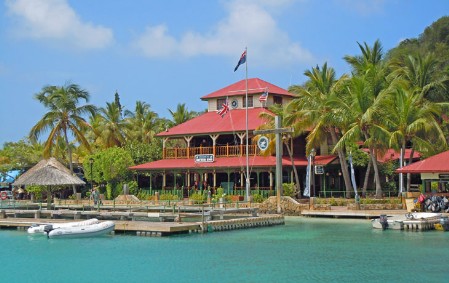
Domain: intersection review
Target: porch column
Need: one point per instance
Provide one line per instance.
(258, 179)
(188, 139)
(164, 179)
(271, 180)
(214, 141)
(188, 178)
(164, 140)
(215, 179)
(242, 179)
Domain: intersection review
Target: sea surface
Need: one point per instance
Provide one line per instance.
(302, 250)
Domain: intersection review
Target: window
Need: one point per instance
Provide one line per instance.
(250, 101)
(220, 103)
(277, 100)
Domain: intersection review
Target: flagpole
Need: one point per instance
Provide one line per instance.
(246, 114)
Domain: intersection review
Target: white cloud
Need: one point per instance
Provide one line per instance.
(56, 20)
(248, 23)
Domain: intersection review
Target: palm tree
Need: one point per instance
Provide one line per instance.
(182, 114)
(415, 112)
(369, 73)
(312, 110)
(109, 126)
(142, 123)
(64, 118)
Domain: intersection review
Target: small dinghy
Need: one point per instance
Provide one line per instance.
(396, 222)
(92, 230)
(40, 228)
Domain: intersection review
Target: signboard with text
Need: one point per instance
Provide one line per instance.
(204, 158)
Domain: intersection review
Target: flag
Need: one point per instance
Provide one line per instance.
(225, 109)
(241, 61)
(354, 185)
(264, 95)
(308, 173)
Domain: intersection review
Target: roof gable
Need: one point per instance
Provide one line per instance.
(435, 164)
(255, 85)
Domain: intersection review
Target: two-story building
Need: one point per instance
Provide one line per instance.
(210, 150)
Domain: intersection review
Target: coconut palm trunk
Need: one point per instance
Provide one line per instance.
(376, 172)
(343, 164)
(365, 181)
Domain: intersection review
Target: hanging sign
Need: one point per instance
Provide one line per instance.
(204, 158)
(262, 143)
(319, 169)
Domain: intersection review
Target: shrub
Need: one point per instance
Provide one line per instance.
(168, 196)
(198, 197)
(258, 198)
(289, 189)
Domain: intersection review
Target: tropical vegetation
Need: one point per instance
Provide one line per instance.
(396, 99)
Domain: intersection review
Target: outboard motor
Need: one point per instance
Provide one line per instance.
(383, 221)
(48, 228)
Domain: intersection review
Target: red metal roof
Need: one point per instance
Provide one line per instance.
(391, 154)
(255, 85)
(229, 162)
(435, 164)
(211, 122)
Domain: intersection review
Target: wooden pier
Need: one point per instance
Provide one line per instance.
(147, 223)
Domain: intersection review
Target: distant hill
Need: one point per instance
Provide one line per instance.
(434, 39)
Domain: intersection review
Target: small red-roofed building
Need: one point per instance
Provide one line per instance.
(434, 169)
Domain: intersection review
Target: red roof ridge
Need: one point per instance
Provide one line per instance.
(255, 85)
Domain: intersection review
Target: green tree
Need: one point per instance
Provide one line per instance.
(142, 124)
(144, 152)
(109, 126)
(64, 118)
(409, 109)
(181, 115)
(110, 167)
(313, 108)
(368, 81)
(20, 155)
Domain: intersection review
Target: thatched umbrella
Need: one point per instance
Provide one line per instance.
(48, 172)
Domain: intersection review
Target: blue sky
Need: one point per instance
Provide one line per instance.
(175, 51)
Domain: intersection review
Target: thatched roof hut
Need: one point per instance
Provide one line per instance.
(48, 172)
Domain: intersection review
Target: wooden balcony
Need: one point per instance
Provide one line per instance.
(217, 151)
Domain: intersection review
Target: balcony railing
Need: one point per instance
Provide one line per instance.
(217, 151)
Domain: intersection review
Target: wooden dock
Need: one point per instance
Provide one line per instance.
(146, 223)
(345, 213)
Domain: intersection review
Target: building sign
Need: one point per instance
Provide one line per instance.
(443, 176)
(262, 143)
(204, 158)
(319, 169)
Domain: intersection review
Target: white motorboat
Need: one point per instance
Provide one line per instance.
(92, 230)
(40, 228)
(396, 222)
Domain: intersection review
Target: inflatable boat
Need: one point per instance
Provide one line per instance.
(40, 228)
(92, 230)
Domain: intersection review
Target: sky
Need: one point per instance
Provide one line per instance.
(176, 51)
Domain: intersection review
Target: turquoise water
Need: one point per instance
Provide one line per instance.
(303, 250)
